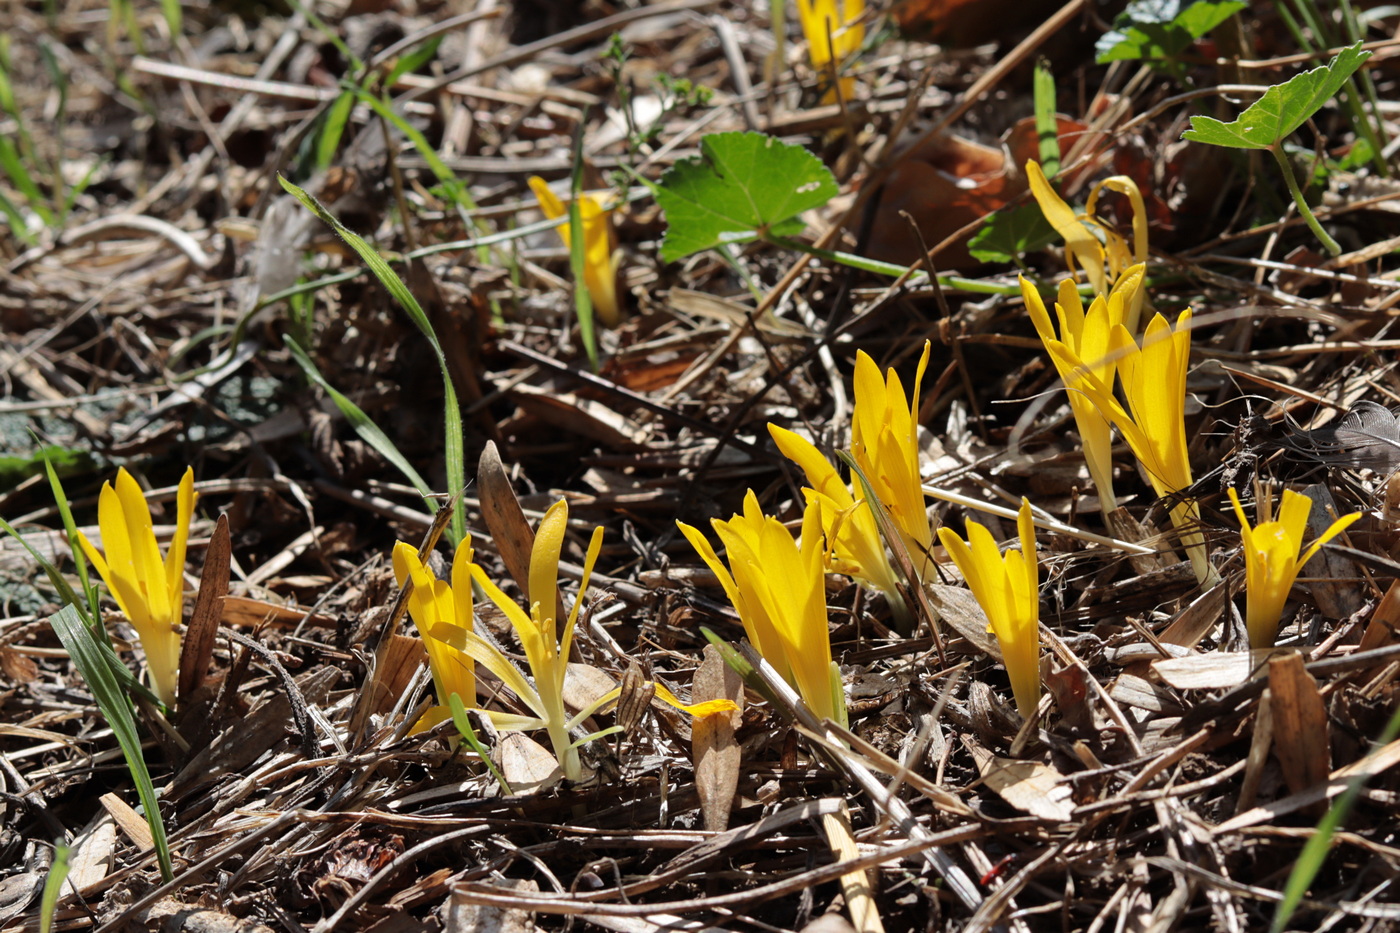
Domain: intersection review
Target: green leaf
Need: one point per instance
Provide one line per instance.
(1160, 29)
(15, 469)
(331, 128)
(88, 657)
(578, 255)
(1282, 109)
(452, 412)
(1009, 234)
(742, 187)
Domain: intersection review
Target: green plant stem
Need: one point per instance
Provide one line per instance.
(893, 269)
(1292, 182)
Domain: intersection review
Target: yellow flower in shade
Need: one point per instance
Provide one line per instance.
(778, 588)
(437, 608)
(1084, 349)
(1272, 561)
(885, 445)
(1084, 247)
(150, 591)
(1154, 423)
(1007, 588)
(601, 257)
(834, 33)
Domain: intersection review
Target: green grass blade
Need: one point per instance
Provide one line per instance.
(332, 129)
(1319, 844)
(578, 254)
(452, 435)
(411, 62)
(79, 559)
(174, 17)
(1047, 128)
(17, 222)
(362, 423)
(70, 597)
(463, 722)
(19, 174)
(83, 647)
(53, 887)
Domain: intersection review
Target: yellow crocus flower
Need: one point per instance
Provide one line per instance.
(885, 445)
(601, 258)
(1154, 423)
(1007, 588)
(1084, 349)
(1103, 262)
(150, 591)
(437, 606)
(834, 32)
(778, 588)
(1272, 561)
(546, 648)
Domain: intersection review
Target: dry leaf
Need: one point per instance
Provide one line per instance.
(1036, 788)
(1303, 748)
(712, 747)
(527, 766)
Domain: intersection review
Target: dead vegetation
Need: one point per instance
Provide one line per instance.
(1170, 777)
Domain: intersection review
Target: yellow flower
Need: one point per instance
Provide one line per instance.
(885, 445)
(1272, 561)
(1083, 246)
(1154, 423)
(453, 643)
(1084, 349)
(834, 33)
(149, 591)
(600, 256)
(857, 549)
(1007, 588)
(437, 606)
(778, 588)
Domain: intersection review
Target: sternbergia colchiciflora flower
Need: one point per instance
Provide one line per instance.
(1082, 350)
(149, 590)
(1272, 560)
(778, 588)
(1007, 587)
(600, 255)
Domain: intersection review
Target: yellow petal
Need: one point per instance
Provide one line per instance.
(185, 500)
(697, 710)
(544, 561)
(1080, 242)
(550, 205)
(821, 475)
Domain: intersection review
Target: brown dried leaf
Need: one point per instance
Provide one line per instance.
(527, 766)
(712, 747)
(1036, 788)
(1300, 722)
(198, 648)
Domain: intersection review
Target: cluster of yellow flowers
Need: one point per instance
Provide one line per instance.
(776, 582)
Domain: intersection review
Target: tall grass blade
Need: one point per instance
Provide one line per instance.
(364, 426)
(578, 253)
(53, 887)
(1319, 844)
(452, 435)
(83, 647)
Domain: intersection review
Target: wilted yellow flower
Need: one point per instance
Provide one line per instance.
(1007, 588)
(150, 591)
(1272, 561)
(1084, 349)
(437, 608)
(834, 32)
(601, 257)
(1154, 423)
(778, 588)
(1084, 247)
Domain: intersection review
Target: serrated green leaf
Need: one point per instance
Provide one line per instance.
(1160, 29)
(743, 186)
(1009, 234)
(1282, 109)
